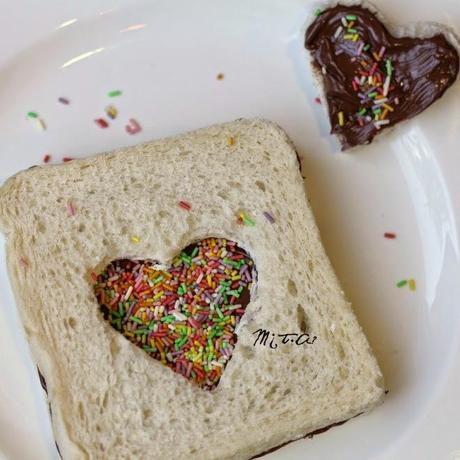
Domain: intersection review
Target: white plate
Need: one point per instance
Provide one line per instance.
(165, 56)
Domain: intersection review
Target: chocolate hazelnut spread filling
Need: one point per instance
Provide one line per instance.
(371, 79)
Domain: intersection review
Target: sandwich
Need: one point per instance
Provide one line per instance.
(178, 301)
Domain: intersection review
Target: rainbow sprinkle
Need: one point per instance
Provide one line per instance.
(372, 81)
(64, 100)
(410, 283)
(39, 122)
(185, 205)
(186, 316)
(23, 262)
(269, 217)
(115, 93)
(389, 235)
(341, 120)
(101, 123)
(111, 112)
(71, 209)
(133, 127)
(246, 220)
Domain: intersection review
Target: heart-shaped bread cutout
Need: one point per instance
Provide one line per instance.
(184, 316)
(373, 80)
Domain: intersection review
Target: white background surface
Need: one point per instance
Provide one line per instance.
(166, 65)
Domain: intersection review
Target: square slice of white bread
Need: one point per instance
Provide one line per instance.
(109, 399)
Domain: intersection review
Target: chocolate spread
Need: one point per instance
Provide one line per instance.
(373, 80)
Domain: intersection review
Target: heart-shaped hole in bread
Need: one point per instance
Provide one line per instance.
(184, 315)
(372, 79)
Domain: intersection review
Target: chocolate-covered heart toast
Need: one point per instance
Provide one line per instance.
(373, 80)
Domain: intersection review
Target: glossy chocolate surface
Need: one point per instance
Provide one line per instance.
(355, 53)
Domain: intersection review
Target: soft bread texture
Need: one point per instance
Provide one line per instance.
(422, 29)
(109, 399)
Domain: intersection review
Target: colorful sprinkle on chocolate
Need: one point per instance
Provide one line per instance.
(184, 317)
(341, 119)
